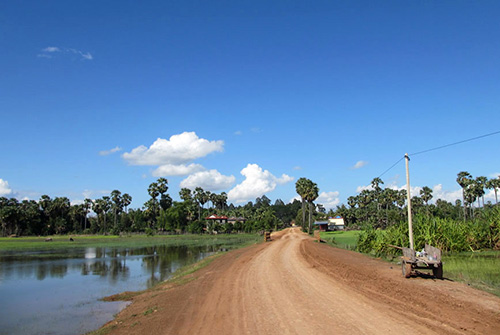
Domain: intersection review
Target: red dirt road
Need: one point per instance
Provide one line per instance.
(294, 285)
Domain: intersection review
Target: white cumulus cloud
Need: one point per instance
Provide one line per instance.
(4, 188)
(179, 149)
(439, 193)
(211, 180)
(257, 183)
(177, 170)
(329, 200)
(359, 189)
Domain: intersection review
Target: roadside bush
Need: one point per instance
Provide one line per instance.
(366, 239)
(445, 234)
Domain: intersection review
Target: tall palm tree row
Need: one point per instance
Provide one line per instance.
(311, 195)
(308, 192)
(301, 187)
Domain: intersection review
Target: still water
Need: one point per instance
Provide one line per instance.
(58, 291)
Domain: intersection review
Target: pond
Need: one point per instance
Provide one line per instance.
(58, 291)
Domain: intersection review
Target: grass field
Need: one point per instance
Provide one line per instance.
(479, 269)
(37, 243)
(341, 239)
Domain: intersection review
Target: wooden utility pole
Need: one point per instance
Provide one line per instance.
(408, 197)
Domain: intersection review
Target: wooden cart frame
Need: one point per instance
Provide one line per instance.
(431, 261)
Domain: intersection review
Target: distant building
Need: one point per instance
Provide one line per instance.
(322, 225)
(336, 223)
(216, 218)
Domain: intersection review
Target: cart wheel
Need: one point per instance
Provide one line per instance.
(438, 271)
(406, 267)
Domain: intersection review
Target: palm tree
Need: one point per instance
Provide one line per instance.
(127, 200)
(106, 206)
(185, 194)
(301, 187)
(480, 185)
(201, 197)
(311, 195)
(87, 204)
(165, 200)
(375, 184)
(116, 197)
(214, 199)
(463, 179)
(101, 206)
(223, 200)
(377, 189)
(493, 184)
(351, 201)
(426, 194)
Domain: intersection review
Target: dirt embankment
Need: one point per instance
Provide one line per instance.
(294, 285)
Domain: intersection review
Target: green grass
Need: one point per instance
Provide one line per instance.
(341, 239)
(62, 242)
(479, 269)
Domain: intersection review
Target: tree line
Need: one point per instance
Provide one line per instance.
(110, 214)
(383, 207)
(466, 225)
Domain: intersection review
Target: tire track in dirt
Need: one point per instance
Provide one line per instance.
(293, 285)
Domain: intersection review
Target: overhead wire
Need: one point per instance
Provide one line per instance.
(455, 143)
(440, 147)
(393, 165)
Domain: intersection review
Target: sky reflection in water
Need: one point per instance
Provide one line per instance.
(57, 292)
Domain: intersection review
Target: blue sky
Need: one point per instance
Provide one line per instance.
(245, 96)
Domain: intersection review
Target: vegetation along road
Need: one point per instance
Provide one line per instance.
(294, 285)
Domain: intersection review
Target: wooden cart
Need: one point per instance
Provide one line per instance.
(431, 260)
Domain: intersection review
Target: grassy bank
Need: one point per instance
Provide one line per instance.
(80, 241)
(478, 269)
(341, 239)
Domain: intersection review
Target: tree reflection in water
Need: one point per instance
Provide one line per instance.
(67, 284)
(158, 262)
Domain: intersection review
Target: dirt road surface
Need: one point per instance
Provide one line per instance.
(294, 285)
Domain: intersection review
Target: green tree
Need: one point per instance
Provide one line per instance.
(101, 208)
(87, 205)
(301, 187)
(311, 195)
(10, 216)
(377, 190)
(464, 179)
(117, 205)
(493, 184)
(426, 194)
(201, 197)
(480, 184)
(126, 200)
(185, 194)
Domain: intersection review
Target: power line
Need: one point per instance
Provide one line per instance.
(455, 143)
(393, 165)
(440, 147)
